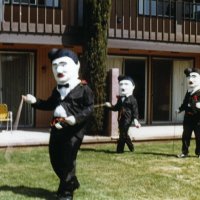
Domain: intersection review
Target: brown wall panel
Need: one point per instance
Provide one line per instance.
(44, 84)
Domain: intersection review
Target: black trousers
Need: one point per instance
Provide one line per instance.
(190, 125)
(63, 153)
(124, 138)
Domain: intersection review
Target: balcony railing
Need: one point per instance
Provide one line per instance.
(150, 20)
(19, 18)
(153, 20)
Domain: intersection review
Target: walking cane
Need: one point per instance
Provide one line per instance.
(99, 105)
(174, 130)
(15, 126)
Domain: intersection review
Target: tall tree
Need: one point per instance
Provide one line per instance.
(96, 20)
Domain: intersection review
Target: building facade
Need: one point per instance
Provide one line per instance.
(152, 41)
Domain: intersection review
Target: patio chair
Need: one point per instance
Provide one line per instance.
(6, 116)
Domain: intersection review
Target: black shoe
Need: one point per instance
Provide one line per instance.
(182, 155)
(67, 188)
(131, 148)
(66, 196)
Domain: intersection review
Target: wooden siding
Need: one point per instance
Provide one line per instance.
(44, 84)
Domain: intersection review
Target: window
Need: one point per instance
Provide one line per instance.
(52, 3)
(191, 10)
(11, 79)
(157, 7)
(47, 3)
(32, 2)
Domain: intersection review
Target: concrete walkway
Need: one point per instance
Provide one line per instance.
(37, 137)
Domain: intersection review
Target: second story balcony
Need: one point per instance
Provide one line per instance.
(169, 21)
(156, 20)
(38, 18)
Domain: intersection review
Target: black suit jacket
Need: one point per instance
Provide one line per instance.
(189, 103)
(79, 103)
(192, 113)
(127, 111)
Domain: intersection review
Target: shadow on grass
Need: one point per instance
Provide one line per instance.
(158, 154)
(166, 155)
(29, 192)
(99, 150)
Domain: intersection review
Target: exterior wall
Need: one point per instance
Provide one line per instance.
(44, 84)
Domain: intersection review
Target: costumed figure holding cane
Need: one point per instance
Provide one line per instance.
(127, 108)
(191, 106)
(72, 104)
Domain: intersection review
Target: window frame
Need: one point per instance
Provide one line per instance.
(144, 5)
(51, 4)
(192, 12)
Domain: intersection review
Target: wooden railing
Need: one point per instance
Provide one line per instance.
(36, 19)
(131, 20)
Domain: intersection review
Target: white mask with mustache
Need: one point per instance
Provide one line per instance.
(126, 88)
(193, 81)
(65, 69)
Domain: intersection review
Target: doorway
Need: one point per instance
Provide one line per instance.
(16, 79)
(161, 89)
(168, 88)
(136, 69)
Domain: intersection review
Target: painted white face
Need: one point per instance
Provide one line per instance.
(193, 80)
(126, 88)
(64, 69)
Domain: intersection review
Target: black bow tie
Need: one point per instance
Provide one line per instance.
(66, 85)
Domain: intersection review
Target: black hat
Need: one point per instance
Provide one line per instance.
(58, 53)
(187, 71)
(121, 77)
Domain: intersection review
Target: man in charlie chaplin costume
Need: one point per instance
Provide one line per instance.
(191, 106)
(127, 108)
(72, 104)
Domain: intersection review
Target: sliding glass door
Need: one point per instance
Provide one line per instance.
(17, 78)
(168, 88)
(161, 89)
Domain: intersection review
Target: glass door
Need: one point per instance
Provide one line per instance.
(169, 86)
(136, 68)
(179, 86)
(17, 78)
(161, 89)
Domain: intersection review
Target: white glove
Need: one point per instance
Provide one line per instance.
(108, 104)
(137, 124)
(29, 99)
(177, 111)
(70, 120)
(198, 105)
(58, 126)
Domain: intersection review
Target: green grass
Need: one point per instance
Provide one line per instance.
(152, 172)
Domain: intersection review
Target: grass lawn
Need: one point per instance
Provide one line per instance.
(152, 172)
